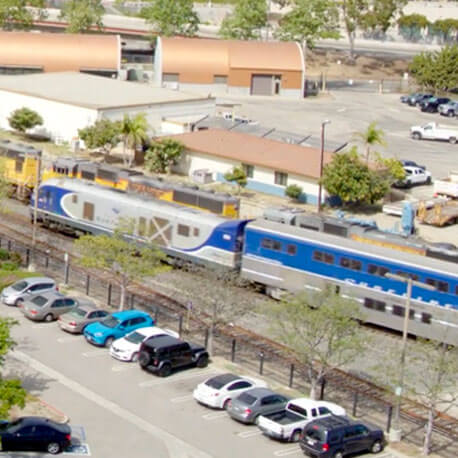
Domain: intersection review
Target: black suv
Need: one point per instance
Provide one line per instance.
(432, 105)
(417, 98)
(336, 437)
(162, 354)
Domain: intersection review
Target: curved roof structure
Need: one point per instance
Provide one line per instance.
(217, 57)
(53, 52)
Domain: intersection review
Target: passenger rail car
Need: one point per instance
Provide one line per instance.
(181, 232)
(20, 166)
(137, 183)
(291, 258)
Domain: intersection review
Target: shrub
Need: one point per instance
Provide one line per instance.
(4, 254)
(293, 191)
(15, 258)
(9, 266)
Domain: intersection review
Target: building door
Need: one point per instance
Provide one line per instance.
(261, 84)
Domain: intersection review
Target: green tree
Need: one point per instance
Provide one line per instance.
(81, 15)
(246, 21)
(308, 21)
(134, 133)
(237, 175)
(412, 25)
(370, 137)
(445, 29)
(163, 154)
(438, 70)
(172, 17)
(126, 262)
(321, 330)
(15, 14)
(23, 119)
(352, 12)
(382, 14)
(293, 191)
(349, 178)
(11, 391)
(104, 134)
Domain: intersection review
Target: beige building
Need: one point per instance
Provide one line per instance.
(29, 52)
(230, 66)
(270, 165)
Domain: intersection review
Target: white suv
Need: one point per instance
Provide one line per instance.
(21, 290)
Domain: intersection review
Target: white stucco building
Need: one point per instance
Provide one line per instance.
(70, 101)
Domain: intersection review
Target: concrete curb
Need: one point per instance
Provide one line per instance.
(64, 418)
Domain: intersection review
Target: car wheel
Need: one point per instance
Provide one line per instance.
(295, 437)
(376, 447)
(135, 357)
(226, 404)
(450, 114)
(452, 140)
(202, 361)
(49, 318)
(108, 341)
(19, 302)
(256, 420)
(416, 136)
(53, 448)
(428, 180)
(338, 454)
(144, 358)
(165, 370)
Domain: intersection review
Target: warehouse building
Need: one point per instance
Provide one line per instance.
(27, 52)
(230, 66)
(70, 101)
(270, 165)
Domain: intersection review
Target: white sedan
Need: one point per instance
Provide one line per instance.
(127, 348)
(218, 391)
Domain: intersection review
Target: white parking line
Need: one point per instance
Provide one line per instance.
(292, 450)
(214, 415)
(94, 353)
(175, 378)
(67, 339)
(124, 367)
(39, 326)
(178, 399)
(247, 434)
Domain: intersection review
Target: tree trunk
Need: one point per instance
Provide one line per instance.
(122, 300)
(313, 388)
(124, 153)
(211, 333)
(351, 40)
(428, 432)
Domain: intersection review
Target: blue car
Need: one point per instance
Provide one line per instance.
(115, 326)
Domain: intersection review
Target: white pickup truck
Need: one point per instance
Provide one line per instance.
(434, 131)
(447, 186)
(288, 424)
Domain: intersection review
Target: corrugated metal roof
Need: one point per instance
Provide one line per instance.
(249, 149)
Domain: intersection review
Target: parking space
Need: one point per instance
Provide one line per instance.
(116, 406)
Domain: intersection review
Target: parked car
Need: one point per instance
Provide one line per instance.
(23, 289)
(414, 176)
(127, 348)
(218, 391)
(161, 355)
(335, 437)
(434, 131)
(408, 163)
(287, 424)
(417, 98)
(248, 406)
(48, 306)
(405, 98)
(115, 326)
(431, 105)
(449, 109)
(78, 318)
(34, 434)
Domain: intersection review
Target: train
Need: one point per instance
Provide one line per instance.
(20, 167)
(135, 182)
(279, 256)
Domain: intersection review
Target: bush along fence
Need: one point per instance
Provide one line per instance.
(241, 347)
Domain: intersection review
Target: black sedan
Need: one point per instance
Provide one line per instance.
(34, 434)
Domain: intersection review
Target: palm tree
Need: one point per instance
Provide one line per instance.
(370, 137)
(133, 131)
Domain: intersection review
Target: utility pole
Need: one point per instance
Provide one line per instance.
(35, 207)
(323, 124)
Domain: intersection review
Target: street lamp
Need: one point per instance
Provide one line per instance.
(395, 432)
(326, 121)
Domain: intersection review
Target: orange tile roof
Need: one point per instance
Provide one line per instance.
(249, 149)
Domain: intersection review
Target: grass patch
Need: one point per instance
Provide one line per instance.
(8, 277)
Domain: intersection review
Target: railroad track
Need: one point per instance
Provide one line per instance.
(410, 409)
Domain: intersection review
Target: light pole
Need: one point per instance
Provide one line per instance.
(396, 431)
(326, 121)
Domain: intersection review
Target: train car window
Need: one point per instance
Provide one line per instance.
(87, 175)
(439, 285)
(291, 249)
(185, 197)
(318, 256)
(372, 269)
(398, 310)
(74, 199)
(328, 258)
(183, 230)
(141, 226)
(407, 275)
(426, 318)
(355, 265)
(377, 270)
(267, 243)
(88, 211)
(276, 246)
(345, 262)
(196, 232)
(369, 303)
(107, 175)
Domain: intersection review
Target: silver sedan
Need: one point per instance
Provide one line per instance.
(78, 318)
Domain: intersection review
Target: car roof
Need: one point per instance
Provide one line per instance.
(163, 341)
(150, 331)
(226, 378)
(125, 314)
(260, 392)
(87, 307)
(331, 422)
(35, 280)
(50, 295)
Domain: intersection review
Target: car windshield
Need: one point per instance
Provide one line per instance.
(78, 312)
(39, 301)
(316, 434)
(220, 380)
(247, 399)
(135, 337)
(20, 285)
(11, 424)
(110, 322)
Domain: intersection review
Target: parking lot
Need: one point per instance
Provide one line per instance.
(118, 410)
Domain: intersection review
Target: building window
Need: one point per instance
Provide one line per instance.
(220, 79)
(249, 170)
(281, 178)
(170, 77)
